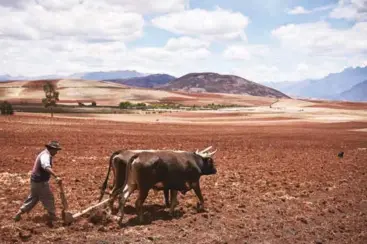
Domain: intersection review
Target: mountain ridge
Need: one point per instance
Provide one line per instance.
(218, 83)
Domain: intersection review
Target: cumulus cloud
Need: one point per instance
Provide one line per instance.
(149, 6)
(42, 57)
(298, 10)
(301, 10)
(217, 24)
(81, 21)
(136, 6)
(350, 10)
(245, 52)
(186, 43)
(258, 72)
(177, 48)
(321, 39)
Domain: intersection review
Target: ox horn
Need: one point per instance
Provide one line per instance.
(206, 149)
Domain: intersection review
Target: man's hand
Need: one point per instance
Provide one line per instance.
(58, 179)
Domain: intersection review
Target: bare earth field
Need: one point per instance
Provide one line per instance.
(279, 179)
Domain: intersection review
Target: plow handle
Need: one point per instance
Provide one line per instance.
(62, 196)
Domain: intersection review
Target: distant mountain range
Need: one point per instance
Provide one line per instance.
(150, 81)
(336, 86)
(329, 87)
(356, 93)
(101, 75)
(108, 75)
(4, 77)
(213, 82)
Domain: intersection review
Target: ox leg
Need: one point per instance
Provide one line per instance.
(200, 205)
(112, 201)
(125, 195)
(143, 193)
(174, 202)
(166, 197)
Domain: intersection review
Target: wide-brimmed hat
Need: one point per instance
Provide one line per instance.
(54, 145)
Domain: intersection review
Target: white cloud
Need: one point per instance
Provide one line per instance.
(302, 67)
(136, 6)
(186, 43)
(350, 10)
(177, 48)
(245, 52)
(148, 6)
(257, 73)
(217, 24)
(298, 10)
(81, 21)
(303, 51)
(320, 39)
(42, 57)
(301, 10)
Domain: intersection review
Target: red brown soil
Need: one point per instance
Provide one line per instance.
(38, 84)
(199, 95)
(340, 105)
(275, 184)
(176, 99)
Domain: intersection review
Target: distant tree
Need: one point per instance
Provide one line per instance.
(125, 105)
(141, 106)
(6, 108)
(94, 104)
(51, 97)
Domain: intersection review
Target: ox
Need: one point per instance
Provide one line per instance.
(118, 162)
(175, 170)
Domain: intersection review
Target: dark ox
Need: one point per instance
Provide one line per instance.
(174, 170)
(118, 162)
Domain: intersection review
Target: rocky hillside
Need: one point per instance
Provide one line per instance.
(213, 82)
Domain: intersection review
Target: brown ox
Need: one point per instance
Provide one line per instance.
(175, 170)
(117, 163)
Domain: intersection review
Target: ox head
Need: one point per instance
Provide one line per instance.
(208, 167)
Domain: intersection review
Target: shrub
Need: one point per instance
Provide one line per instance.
(125, 105)
(6, 108)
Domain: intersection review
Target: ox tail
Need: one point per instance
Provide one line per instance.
(104, 185)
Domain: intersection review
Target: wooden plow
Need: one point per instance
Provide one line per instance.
(68, 217)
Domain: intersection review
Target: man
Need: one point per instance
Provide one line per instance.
(40, 188)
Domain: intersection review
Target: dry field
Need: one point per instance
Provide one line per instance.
(279, 178)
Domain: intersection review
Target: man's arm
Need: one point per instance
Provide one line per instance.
(46, 165)
(49, 169)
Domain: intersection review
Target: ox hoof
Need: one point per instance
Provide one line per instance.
(200, 207)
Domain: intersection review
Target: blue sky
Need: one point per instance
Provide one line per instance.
(259, 40)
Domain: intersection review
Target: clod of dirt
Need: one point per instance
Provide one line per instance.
(25, 235)
(102, 229)
(302, 219)
(99, 217)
